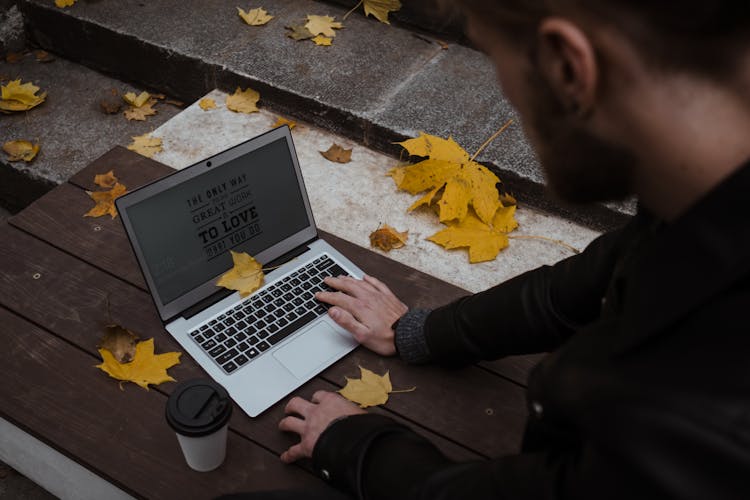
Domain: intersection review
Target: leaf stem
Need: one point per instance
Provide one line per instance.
(355, 8)
(404, 390)
(544, 238)
(494, 136)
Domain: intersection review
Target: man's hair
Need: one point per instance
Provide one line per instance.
(702, 36)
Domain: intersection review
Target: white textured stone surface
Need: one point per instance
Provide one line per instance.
(351, 200)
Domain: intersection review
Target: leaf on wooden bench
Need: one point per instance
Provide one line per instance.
(145, 369)
(370, 389)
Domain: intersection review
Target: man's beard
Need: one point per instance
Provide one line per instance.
(580, 167)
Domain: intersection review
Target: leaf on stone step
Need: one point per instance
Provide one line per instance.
(246, 276)
(175, 102)
(146, 145)
(381, 8)
(337, 154)
(388, 238)
(254, 17)
(207, 103)
(299, 32)
(283, 121)
(17, 96)
(105, 201)
(370, 389)
(137, 100)
(110, 105)
(322, 40)
(107, 180)
(243, 101)
(14, 57)
(483, 241)
(120, 342)
(21, 150)
(140, 113)
(322, 25)
(145, 368)
(65, 3)
(43, 56)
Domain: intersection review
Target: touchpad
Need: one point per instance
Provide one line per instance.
(311, 349)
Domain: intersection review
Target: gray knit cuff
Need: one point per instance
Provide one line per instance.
(410, 340)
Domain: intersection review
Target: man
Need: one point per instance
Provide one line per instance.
(647, 392)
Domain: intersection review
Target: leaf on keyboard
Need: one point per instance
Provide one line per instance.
(120, 342)
(146, 367)
(369, 390)
(246, 276)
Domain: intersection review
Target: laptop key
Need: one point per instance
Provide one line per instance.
(273, 328)
(194, 333)
(229, 321)
(220, 337)
(251, 353)
(320, 309)
(230, 343)
(230, 331)
(291, 328)
(263, 346)
(217, 350)
(241, 325)
(209, 344)
(220, 327)
(240, 336)
(278, 313)
(230, 367)
(204, 327)
(241, 360)
(227, 356)
(254, 340)
(242, 346)
(282, 322)
(262, 334)
(291, 316)
(288, 307)
(199, 339)
(209, 333)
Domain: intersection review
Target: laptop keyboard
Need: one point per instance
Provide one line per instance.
(264, 319)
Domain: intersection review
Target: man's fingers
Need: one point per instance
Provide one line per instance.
(348, 322)
(319, 396)
(379, 285)
(299, 406)
(338, 299)
(293, 454)
(292, 424)
(349, 285)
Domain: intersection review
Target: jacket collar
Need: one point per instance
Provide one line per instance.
(686, 263)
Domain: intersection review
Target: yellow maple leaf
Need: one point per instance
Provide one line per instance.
(322, 25)
(322, 40)
(388, 238)
(207, 103)
(105, 201)
(337, 154)
(64, 3)
(370, 389)
(254, 17)
(436, 148)
(283, 121)
(146, 145)
(243, 101)
(136, 100)
(107, 180)
(141, 112)
(381, 8)
(17, 96)
(246, 276)
(21, 150)
(146, 367)
(484, 241)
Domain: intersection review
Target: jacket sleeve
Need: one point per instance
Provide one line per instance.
(534, 312)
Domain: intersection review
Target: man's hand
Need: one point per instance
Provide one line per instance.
(367, 309)
(314, 417)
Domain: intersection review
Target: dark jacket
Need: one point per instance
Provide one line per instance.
(647, 392)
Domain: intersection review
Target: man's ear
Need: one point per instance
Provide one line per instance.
(567, 60)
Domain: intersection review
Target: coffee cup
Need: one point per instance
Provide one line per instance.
(198, 411)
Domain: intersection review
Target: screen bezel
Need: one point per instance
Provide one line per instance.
(169, 310)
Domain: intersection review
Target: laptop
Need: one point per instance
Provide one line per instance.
(250, 198)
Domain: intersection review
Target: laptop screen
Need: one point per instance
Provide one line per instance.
(184, 233)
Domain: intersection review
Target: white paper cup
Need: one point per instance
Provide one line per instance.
(199, 411)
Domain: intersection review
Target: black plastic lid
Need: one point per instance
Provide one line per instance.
(198, 407)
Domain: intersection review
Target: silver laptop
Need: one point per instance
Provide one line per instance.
(250, 198)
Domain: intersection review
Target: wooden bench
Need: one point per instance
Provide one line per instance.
(58, 271)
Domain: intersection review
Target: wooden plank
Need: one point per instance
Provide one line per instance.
(51, 390)
(69, 297)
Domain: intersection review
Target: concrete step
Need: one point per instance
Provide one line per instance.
(377, 84)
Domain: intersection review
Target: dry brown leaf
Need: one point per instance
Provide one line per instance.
(21, 150)
(175, 102)
(207, 103)
(140, 113)
(322, 40)
(14, 57)
(43, 56)
(107, 180)
(299, 32)
(146, 145)
(137, 100)
(110, 105)
(283, 121)
(120, 342)
(65, 3)
(388, 238)
(337, 154)
(255, 17)
(322, 25)
(146, 367)
(246, 276)
(370, 389)
(243, 101)
(484, 241)
(105, 201)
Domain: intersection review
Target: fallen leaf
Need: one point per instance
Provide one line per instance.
(146, 145)
(255, 17)
(159, 96)
(484, 241)
(140, 113)
(120, 342)
(65, 3)
(207, 103)
(43, 56)
(16, 96)
(110, 105)
(381, 8)
(107, 180)
(243, 101)
(21, 150)
(370, 389)
(105, 201)
(283, 121)
(146, 367)
(14, 57)
(299, 32)
(337, 154)
(246, 276)
(137, 101)
(388, 238)
(322, 25)
(175, 102)
(322, 40)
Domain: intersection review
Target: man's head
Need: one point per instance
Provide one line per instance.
(577, 71)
